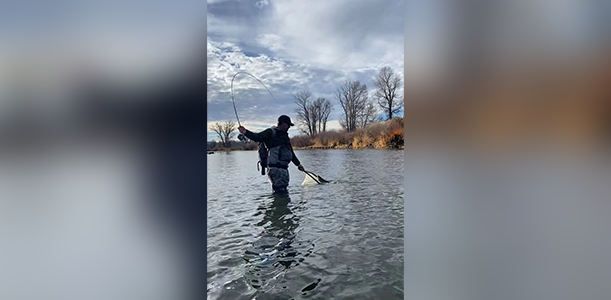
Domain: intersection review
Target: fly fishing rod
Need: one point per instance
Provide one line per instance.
(233, 100)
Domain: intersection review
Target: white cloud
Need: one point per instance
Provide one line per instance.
(262, 3)
(226, 59)
(253, 102)
(333, 125)
(273, 42)
(338, 34)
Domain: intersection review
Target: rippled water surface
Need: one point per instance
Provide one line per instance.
(340, 240)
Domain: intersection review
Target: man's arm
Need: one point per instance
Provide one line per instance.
(296, 161)
(262, 136)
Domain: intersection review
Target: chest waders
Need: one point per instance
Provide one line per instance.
(275, 154)
(264, 154)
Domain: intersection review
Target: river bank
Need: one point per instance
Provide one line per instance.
(339, 147)
(386, 135)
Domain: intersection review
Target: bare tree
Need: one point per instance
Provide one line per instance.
(387, 82)
(315, 116)
(352, 96)
(229, 132)
(312, 115)
(369, 114)
(225, 131)
(303, 111)
(325, 112)
(218, 128)
(321, 108)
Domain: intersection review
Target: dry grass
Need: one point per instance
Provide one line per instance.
(301, 141)
(387, 135)
(380, 136)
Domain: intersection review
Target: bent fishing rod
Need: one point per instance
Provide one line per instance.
(233, 100)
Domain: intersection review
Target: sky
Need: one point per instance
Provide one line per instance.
(291, 46)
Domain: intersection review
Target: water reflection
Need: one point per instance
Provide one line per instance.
(274, 252)
(278, 219)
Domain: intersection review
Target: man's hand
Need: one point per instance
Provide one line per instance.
(300, 167)
(242, 129)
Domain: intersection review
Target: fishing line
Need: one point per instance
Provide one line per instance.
(233, 100)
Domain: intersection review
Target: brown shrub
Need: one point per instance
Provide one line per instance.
(302, 141)
(396, 124)
(368, 141)
(396, 133)
(356, 142)
(362, 141)
(332, 139)
(375, 130)
(382, 142)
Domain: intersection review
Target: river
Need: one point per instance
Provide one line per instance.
(339, 240)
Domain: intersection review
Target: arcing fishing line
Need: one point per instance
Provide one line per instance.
(233, 100)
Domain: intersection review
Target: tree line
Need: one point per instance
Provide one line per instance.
(312, 114)
(359, 109)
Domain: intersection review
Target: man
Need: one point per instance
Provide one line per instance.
(281, 153)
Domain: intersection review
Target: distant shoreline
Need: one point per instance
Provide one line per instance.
(341, 147)
(386, 135)
(312, 148)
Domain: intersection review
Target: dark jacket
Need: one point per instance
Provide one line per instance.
(281, 138)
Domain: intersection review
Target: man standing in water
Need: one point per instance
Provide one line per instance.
(281, 153)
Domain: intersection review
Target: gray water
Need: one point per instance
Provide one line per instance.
(340, 240)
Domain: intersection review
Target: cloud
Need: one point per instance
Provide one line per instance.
(273, 42)
(261, 4)
(252, 99)
(339, 34)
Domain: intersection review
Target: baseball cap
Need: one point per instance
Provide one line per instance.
(285, 119)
